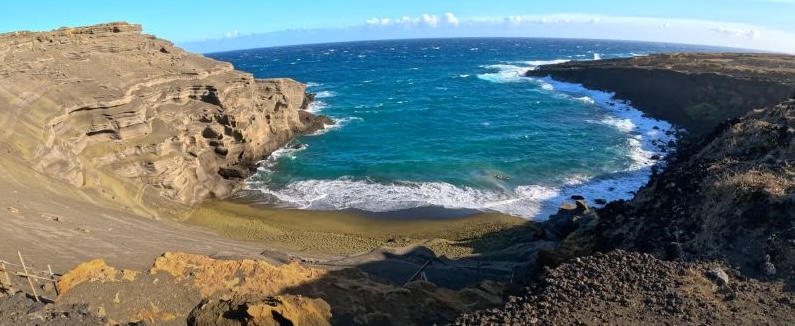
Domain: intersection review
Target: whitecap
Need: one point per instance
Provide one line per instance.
(345, 193)
(316, 106)
(514, 71)
(311, 84)
(643, 133)
(325, 94)
(338, 123)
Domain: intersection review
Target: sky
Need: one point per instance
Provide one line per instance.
(212, 26)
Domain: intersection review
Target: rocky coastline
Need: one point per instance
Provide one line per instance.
(103, 125)
(709, 240)
(132, 120)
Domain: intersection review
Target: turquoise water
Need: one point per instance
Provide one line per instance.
(451, 123)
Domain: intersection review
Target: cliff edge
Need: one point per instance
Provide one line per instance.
(130, 119)
(710, 239)
(695, 91)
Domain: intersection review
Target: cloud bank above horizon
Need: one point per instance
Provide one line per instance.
(673, 30)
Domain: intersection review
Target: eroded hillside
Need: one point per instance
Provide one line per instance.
(133, 120)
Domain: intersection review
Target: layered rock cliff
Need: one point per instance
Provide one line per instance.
(695, 91)
(130, 118)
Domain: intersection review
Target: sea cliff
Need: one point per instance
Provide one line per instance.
(134, 121)
(710, 238)
(695, 91)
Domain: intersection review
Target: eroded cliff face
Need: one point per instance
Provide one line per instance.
(694, 91)
(132, 119)
(728, 194)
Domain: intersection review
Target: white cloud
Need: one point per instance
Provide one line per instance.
(232, 34)
(513, 20)
(430, 20)
(451, 19)
(673, 30)
(737, 32)
(378, 21)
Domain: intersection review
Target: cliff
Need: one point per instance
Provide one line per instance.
(130, 119)
(731, 188)
(711, 238)
(695, 91)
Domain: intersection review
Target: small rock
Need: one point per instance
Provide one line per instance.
(600, 201)
(116, 299)
(577, 197)
(13, 210)
(48, 287)
(768, 269)
(719, 276)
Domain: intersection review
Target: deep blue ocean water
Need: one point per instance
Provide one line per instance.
(451, 123)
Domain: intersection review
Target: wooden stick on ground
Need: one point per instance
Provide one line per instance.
(54, 283)
(33, 276)
(8, 278)
(30, 282)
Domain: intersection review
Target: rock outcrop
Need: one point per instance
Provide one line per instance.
(131, 119)
(728, 194)
(199, 290)
(692, 90)
(725, 196)
(626, 288)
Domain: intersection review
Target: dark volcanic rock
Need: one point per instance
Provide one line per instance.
(623, 288)
(727, 195)
(694, 91)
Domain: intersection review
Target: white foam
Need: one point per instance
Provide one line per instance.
(316, 106)
(289, 151)
(597, 56)
(311, 84)
(338, 123)
(529, 201)
(463, 76)
(514, 72)
(643, 133)
(345, 193)
(325, 94)
(536, 63)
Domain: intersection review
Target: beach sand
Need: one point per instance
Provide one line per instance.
(347, 233)
(51, 222)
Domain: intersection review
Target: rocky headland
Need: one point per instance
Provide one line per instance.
(132, 120)
(104, 127)
(710, 239)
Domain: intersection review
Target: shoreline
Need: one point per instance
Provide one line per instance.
(345, 233)
(648, 142)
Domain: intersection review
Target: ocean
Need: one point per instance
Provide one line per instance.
(451, 126)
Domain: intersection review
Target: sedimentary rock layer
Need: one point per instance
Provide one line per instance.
(131, 119)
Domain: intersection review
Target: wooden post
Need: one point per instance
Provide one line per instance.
(30, 282)
(54, 283)
(8, 278)
(419, 271)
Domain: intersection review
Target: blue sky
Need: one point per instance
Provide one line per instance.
(208, 26)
